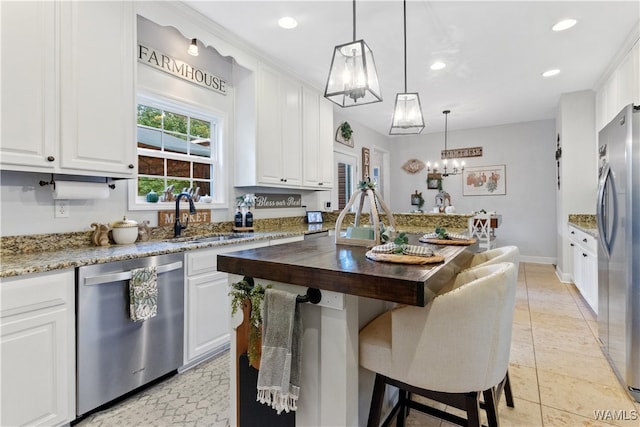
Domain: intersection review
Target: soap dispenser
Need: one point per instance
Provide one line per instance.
(238, 218)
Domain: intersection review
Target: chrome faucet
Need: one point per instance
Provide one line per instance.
(177, 227)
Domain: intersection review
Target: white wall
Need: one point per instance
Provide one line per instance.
(528, 209)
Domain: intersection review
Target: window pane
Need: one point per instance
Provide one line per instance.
(201, 171)
(148, 116)
(150, 166)
(175, 122)
(147, 184)
(205, 187)
(175, 143)
(149, 138)
(179, 185)
(200, 147)
(200, 128)
(178, 168)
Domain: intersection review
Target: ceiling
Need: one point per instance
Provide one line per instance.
(495, 51)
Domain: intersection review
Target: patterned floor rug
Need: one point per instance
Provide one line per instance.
(198, 397)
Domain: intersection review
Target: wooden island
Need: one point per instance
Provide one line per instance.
(335, 391)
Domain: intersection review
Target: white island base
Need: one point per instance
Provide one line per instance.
(334, 390)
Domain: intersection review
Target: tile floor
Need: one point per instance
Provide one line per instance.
(558, 373)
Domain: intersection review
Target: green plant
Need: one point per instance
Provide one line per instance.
(241, 292)
(441, 232)
(346, 131)
(401, 241)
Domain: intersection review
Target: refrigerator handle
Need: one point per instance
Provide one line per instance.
(602, 208)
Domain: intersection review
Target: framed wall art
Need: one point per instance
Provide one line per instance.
(484, 181)
(344, 134)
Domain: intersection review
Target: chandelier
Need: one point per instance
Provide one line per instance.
(455, 168)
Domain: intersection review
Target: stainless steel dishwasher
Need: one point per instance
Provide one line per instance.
(116, 355)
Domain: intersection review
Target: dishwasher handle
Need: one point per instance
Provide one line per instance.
(126, 275)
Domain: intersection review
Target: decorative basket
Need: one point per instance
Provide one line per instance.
(364, 234)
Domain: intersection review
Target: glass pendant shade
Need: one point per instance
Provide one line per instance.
(193, 48)
(353, 79)
(407, 115)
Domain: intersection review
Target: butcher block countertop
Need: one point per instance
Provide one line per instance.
(321, 263)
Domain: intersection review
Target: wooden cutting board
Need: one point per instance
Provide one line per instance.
(404, 259)
(453, 242)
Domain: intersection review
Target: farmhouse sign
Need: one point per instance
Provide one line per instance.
(461, 152)
(161, 61)
(270, 201)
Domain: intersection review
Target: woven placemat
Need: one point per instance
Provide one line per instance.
(453, 242)
(404, 259)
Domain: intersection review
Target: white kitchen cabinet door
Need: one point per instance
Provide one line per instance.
(585, 265)
(37, 342)
(29, 119)
(317, 140)
(208, 314)
(278, 139)
(97, 81)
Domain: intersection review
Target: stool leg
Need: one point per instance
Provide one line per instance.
(507, 391)
(473, 409)
(491, 408)
(375, 410)
(402, 400)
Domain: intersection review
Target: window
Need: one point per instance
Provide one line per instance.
(178, 150)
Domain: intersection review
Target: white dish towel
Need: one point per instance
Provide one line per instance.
(279, 375)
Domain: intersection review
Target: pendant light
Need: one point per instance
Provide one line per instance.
(456, 168)
(353, 79)
(407, 113)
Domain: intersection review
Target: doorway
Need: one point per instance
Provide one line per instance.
(345, 173)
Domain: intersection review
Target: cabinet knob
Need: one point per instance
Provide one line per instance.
(320, 183)
(285, 180)
(573, 232)
(585, 240)
(571, 244)
(51, 158)
(584, 255)
(131, 166)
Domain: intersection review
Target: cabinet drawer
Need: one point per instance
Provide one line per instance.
(206, 260)
(583, 239)
(37, 291)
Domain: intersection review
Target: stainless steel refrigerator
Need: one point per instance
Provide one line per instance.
(618, 216)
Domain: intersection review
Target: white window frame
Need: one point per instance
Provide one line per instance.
(218, 151)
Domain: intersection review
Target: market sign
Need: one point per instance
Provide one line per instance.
(461, 152)
(270, 201)
(175, 67)
(169, 217)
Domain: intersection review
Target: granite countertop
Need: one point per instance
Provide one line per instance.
(38, 262)
(27, 254)
(585, 222)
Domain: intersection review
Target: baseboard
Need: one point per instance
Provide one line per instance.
(537, 259)
(563, 277)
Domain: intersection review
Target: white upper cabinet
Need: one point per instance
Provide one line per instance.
(278, 139)
(291, 145)
(317, 125)
(621, 88)
(97, 63)
(68, 88)
(29, 99)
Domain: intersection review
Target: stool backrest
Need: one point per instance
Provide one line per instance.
(460, 341)
(497, 255)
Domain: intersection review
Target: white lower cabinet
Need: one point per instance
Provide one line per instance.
(585, 265)
(37, 333)
(207, 301)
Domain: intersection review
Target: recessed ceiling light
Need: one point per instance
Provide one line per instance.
(438, 65)
(550, 73)
(287, 22)
(565, 24)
